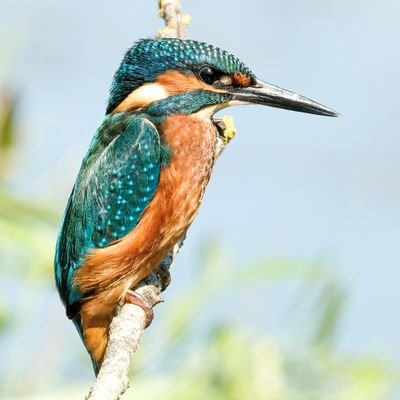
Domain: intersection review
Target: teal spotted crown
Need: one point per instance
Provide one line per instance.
(147, 58)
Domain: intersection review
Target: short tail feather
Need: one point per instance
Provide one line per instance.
(77, 322)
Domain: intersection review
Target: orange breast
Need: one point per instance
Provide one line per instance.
(109, 272)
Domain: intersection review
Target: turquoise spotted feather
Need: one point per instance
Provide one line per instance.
(116, 182)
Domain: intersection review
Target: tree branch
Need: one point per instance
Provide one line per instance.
(125, 332)
(128, 325)
(176, 21)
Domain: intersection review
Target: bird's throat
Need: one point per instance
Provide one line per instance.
(192, 143)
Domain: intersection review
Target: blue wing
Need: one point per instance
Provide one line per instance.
(116, 182)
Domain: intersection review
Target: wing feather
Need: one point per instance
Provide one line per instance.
(116, 182)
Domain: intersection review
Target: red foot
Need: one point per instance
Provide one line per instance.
(137, 299)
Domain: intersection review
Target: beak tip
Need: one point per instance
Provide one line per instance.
(331, 113)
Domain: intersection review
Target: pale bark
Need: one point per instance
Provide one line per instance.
(126, 330)
(176, 21)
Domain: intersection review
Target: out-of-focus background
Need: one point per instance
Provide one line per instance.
(287, 286)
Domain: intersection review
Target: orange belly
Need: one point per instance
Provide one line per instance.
(108, 273)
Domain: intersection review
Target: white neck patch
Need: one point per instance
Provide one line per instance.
(142, 97)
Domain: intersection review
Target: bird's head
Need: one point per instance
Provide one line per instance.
(186, 76)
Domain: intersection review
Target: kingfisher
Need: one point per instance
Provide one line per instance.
(143, 178)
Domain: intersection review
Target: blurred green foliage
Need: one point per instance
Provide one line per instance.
(223, 362)
(7, 120)
(26, 228)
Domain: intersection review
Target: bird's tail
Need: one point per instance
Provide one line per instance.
(78, 325)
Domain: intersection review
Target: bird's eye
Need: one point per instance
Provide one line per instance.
(209, 75)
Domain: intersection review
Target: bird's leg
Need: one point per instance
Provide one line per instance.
(162, 271)
(164, 274)
(165, 265)
(137, 299)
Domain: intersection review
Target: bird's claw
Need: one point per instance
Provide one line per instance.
(140, 301)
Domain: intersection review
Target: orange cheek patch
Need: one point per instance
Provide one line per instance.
(169, 83)
(241, 79)
(175, 82)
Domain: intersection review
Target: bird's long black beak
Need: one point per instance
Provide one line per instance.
(274, 96)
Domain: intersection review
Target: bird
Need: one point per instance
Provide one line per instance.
(143, 177)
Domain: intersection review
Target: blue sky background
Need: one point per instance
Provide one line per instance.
(289, 184)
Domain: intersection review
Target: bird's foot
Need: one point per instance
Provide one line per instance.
(140, 301)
